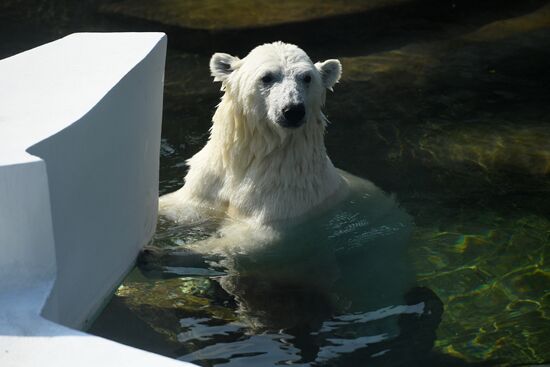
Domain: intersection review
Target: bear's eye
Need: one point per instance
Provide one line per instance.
(307, 78)
(267, 78)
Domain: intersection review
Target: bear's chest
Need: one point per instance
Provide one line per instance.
(276, 198)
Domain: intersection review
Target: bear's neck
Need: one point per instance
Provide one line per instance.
(288, 169)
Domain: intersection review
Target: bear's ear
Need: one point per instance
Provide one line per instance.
(330, 70)
(221, 65)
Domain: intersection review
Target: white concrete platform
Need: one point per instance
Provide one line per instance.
(80, 122)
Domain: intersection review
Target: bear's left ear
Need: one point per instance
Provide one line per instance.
(330, 70)
(221, 65)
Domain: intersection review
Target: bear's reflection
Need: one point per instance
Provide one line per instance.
(350, 258)
(335, 281)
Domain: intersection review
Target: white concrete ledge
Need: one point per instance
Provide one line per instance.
(80, 122)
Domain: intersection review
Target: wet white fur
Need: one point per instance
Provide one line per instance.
(253, 169)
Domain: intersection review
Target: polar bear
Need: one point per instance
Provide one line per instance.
(265, 161)
(288, 219)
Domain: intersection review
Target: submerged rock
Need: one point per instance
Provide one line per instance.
(473, 106)
(163, 303)
(238, 14)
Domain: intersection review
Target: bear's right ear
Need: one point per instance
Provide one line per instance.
(221, 65)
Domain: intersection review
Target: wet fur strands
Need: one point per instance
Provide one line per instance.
(265, 161)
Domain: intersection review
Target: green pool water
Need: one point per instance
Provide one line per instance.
(458, 130)
(444, 106)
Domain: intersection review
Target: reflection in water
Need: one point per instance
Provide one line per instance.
(330, 290)
(253, 350)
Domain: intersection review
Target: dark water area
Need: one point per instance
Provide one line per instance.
(445, 105)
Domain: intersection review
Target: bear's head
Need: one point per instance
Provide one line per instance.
(277, 84)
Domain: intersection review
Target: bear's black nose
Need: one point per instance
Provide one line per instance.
(294, 115)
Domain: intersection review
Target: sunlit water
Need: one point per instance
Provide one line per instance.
(445, 105)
